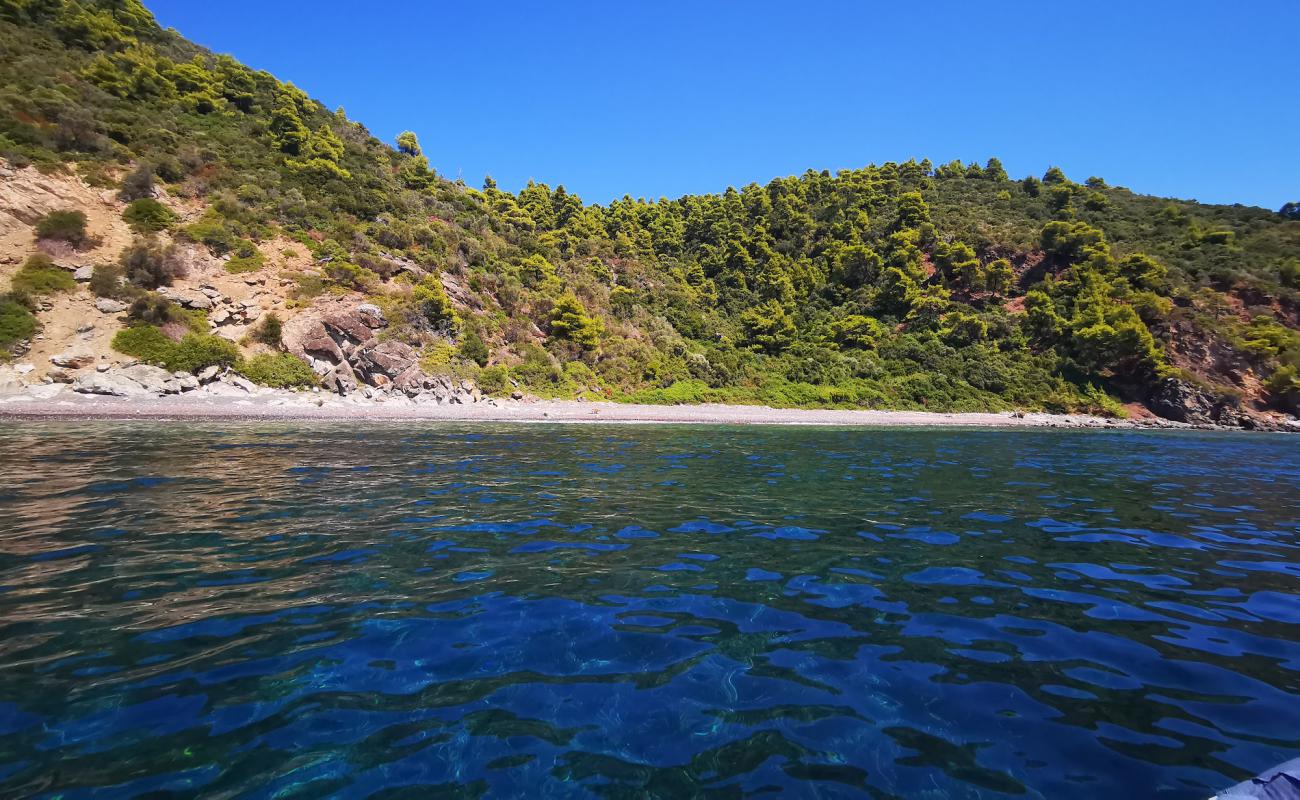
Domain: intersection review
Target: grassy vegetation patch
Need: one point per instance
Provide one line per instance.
(277, 370)
(39, 276)
(193, 352)
(17, 323)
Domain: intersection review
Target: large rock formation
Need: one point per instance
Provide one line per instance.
(1182, 401)
(383, 363)
(343, 346)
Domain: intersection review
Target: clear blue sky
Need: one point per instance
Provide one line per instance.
(1193, 99)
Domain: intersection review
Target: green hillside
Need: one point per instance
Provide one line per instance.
(950, 287)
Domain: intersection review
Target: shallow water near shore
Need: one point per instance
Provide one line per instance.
(407, 610)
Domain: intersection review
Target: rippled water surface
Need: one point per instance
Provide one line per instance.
(592, 611)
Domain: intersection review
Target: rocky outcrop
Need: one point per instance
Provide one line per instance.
(344, 347)
(383, 363)
(26, 195)
(1182, 401)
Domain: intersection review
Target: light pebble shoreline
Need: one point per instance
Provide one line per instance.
(309, 407)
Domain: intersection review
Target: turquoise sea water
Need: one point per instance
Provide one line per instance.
(639, 611)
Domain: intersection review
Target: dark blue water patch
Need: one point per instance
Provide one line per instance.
(518, 611)
(546, 547)
(66, 552)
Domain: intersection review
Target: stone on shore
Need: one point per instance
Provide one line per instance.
(108, 383)
(73, 359)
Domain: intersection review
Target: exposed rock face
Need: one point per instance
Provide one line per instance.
(330, 343)
(83, 274)
(372, 316)
(353, 326)
(342, 346)
(107, 305)
(1183, 402)
(26, 196)
(389, 359)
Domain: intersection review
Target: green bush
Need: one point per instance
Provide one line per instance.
(349, 275)
(494, 380)
(269, 331)
(473, 348)
(536, 272)
(279, 370)
(68, 226)
(246, 258)
(153, 309)
(212, 232)
(145, 342)
(192, 353)
(571, 323)
(768, 327)
(147, 215)
(690, 392)
(1284, 387)
(307, 287)
(199, 350)
(17, 323)
(434, 305)
(856, 331)
(39, 276)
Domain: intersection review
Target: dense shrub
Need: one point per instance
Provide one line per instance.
(473, 348)
(147, 215)
(768, 327)
(39, 276)
(137, 184)
(68, 226)
(494, 380)
(145, 342)
(1284, 388)
(149, 265)
(434, 306)
(106, 280)
(213, 232)
(571, 323)
(153, 309)
(279, 370)
(17, 323)
(195, 351)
